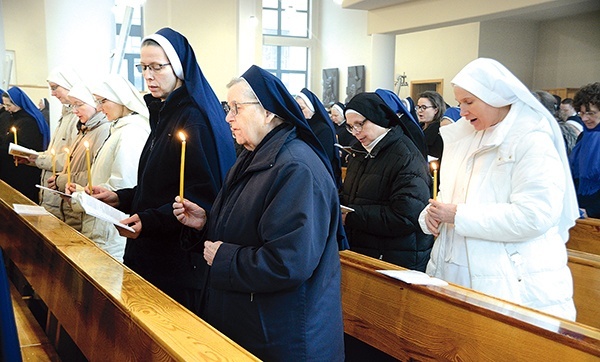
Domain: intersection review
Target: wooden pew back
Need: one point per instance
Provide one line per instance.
(110, 312)
(452, 323)
(585, 236)
(585, 269)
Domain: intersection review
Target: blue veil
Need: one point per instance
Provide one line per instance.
(275, 98)
(22, 100)
(410, 127)
(203, 96)
(322, 116)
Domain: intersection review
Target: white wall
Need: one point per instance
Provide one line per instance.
(343, 42)
(513, 44)
(568, 52)
(210, 27)
(436, 54)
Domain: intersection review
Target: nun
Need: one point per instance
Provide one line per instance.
(60, 80)
(408, 122)
(32, 132)
(93, 129)
(274, 232)
(180, 100)
(318, 120)
(387, 184)
(506, 199)
(115, 165)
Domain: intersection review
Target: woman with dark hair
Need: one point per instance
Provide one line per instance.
(430, 109)
(32, 132)
(585, 158)
(387, 184)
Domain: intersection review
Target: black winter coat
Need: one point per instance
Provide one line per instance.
(388, 188)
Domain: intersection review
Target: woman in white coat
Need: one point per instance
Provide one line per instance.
(507, 200)
(116, 164)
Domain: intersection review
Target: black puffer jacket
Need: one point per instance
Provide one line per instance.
(388, 188)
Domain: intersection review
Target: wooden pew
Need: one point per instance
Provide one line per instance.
(412, 322)
(110, 312)
(585, 236)
(585, 269)
(35, 345)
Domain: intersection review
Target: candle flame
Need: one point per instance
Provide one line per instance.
(182, 136)
(13, 129)
(66, 150)
(52, 151)
(86, 144)
(434, 165)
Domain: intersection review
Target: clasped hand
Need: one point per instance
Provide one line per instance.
(439, 213)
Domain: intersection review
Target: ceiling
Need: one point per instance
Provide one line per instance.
(560, 9)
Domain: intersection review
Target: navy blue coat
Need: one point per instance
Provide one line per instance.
(156, 254)
(274, 286)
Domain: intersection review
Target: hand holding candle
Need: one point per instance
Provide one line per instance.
(53, 162)
(13, 129)
(89, 164)
(434, 166)
(182, 168)
(68, 157)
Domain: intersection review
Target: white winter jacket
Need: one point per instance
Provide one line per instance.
(507, 212)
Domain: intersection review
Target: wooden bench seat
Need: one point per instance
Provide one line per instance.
(35, 345)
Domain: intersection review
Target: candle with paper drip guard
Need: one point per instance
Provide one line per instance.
(182, 168)
(86, 144)
(68, 158)
(13, 129)
(434, 166)
(53, 162)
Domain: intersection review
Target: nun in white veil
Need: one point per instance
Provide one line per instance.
(506, 200)
(116, 164)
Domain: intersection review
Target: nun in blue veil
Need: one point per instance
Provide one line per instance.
(32, 132)
(180, 100)
(273, 235)
(322, 127)
(408, 122)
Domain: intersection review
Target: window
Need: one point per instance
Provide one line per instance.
(287, 63)
(132, 15)
(286, 43)
(285, 18)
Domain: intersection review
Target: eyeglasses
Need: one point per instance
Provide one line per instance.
(358, 126)
(77, 105)
(233, 109)
(423, 108)
(54, 87)
(589, 113)
(154, 68)
(101, 101)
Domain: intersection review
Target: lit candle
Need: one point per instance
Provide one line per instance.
(53, 161)
(14, 131)
(434, 166)
(89, 164)
(182, 168)
(68, 156)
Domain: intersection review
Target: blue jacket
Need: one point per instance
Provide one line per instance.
(274, 286)
(156, 254)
